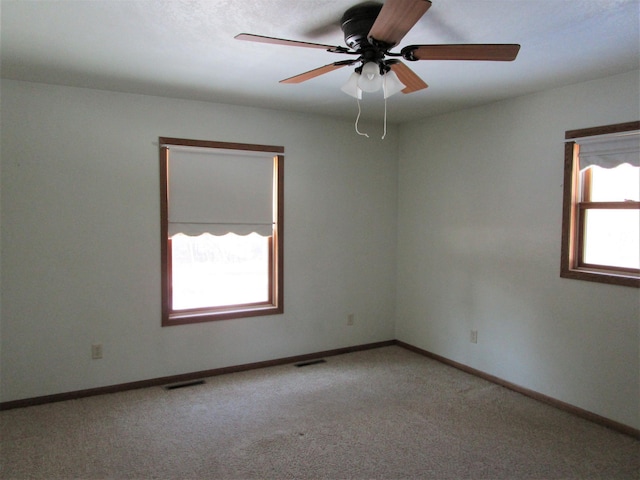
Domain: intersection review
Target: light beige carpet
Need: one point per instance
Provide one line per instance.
(386, 413)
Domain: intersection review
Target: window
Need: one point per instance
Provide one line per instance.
(221, 229)
(601, 211)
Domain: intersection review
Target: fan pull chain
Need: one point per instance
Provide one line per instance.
(358, 118)
(384, 133)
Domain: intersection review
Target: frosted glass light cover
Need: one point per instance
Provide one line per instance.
(370, 79)
(351, 87)
(391, 84)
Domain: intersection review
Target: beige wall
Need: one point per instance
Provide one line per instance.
(81, 247)
(480, 212)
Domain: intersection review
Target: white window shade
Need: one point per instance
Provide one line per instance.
(611, 151)
(220, 191)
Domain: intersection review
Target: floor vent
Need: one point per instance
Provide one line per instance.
(183, 384)
(310, 362)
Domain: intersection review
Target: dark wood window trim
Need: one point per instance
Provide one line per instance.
(275, 304)
(573, 213)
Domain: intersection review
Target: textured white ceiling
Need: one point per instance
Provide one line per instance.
(186, 49)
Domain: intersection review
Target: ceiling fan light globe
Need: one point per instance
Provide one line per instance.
(391, 84)
(351, 87)
(370, 80)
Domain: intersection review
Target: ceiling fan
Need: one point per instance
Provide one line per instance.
(371, 30)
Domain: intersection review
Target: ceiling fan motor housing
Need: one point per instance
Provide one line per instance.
(357, 22)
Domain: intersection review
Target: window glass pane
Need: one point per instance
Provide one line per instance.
(612, 238)
(213, 271)
(615, 184)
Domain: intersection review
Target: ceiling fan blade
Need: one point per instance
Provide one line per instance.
(495, 52)
(316, 72)
(407, 76)
(396, 18)
(291, 43)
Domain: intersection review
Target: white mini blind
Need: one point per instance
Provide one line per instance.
(609, 151)
(220, 191)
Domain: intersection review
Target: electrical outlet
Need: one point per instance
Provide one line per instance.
(96, 351)
(474, 336)
(351, 319)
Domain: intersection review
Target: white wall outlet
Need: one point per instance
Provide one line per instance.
(96, 351)
(351, 319)
(474, 336)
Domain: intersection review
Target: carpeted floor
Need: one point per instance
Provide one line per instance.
(386, 413)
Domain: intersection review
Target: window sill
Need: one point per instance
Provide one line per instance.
(183, 318)
(601, 276)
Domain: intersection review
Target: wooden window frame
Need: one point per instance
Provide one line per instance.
(275, 303)
(574, 211)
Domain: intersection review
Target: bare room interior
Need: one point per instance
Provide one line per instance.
(426, 223)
